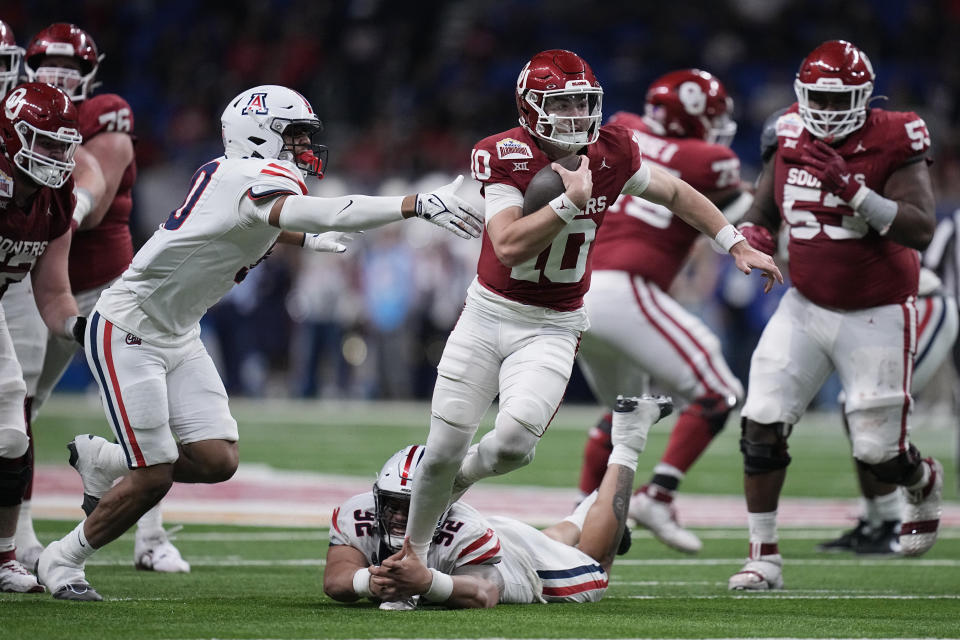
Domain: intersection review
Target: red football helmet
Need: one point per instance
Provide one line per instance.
(10, 57)
(691, 104)
(64, 39)
(833, 86)
(38, 128)
(560, 100)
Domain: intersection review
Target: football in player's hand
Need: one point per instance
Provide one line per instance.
(547, 185)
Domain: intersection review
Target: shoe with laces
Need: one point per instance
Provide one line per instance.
(64, 578)
(14, 578)
(154, 552)
(653, 508)
(847, 541)
(761, 573)
(921, 513)
(84, 451)
(407, 604)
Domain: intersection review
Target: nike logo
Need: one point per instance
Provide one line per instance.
(80, 540)
(345, 207)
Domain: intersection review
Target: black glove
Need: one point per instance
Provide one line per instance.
(79, 328)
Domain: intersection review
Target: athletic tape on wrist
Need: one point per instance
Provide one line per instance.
(727, 237)
(441, 588)
(878, 211)
(361, 582)
(83, 205)
(563, 206)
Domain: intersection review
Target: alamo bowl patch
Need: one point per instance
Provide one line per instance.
(6, 185)
(789, 125)
(511, 149)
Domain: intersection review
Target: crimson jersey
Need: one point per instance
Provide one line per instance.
(644, 238)
(560, 275)
(836, 259)
(100, 254)
(25, 234)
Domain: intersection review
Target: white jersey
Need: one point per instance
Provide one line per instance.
(533, 567)
(204, 248)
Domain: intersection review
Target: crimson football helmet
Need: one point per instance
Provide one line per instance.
(64, 39)
(391, 494)
(560, 100)
(833, 86)
(10, 56)
(38, 128)
(691, 103)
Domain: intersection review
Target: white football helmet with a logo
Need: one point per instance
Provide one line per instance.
(392, 491)
(254, 123)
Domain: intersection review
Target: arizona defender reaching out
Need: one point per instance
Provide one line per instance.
(142, 341)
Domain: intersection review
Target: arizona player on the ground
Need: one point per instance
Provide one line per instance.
(160, 389)
(519, 330)
(476, 562)
(637, 331)
(852, 185)
(38, 138)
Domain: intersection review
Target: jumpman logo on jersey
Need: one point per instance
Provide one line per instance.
(859, 147)
(603, 164)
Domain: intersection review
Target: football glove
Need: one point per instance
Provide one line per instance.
(831, 169)
(445, 209)
(759, 237)
(329, 242)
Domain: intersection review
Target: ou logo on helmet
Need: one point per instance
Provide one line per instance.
(693, 98)
(15, 102)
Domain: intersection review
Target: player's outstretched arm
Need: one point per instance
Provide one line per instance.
(403, 575)
(442, 207)
(340, 578)
(329, 242)
(51, 288)
(113, 152)
(697, 211)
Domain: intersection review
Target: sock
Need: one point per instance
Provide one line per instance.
(579, 515)
(112, 460)
(763, 528)
(7, 544)
(690, 436)
(888, 507)
(28, 491)
(74, 546)
(666, 476)
(26, 536)
(595, 455)
(151, 521)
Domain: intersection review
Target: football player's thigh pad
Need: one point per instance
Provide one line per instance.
(201, 410)
(534, 378)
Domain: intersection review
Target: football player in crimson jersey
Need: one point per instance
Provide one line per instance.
(637, 331)
(519, 330)
(160, 389)
(39, 135)
(852, 186)
(477, 562)
(67, 57)
(10, 57)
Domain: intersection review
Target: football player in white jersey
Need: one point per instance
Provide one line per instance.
(477, 561)
(160, 390)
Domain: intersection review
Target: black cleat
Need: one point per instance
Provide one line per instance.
(79, 591)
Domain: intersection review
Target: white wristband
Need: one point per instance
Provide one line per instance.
(361, 583)
(441, 588)
(624, 456)
(564, 208)
(727, 237)
(84, 204)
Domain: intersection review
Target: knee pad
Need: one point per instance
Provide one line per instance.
(14, 475)
(513, 440)
(457, 406)
(714, 409)
(13, 442)
(530, 413)
(898, 470)
(764, 446)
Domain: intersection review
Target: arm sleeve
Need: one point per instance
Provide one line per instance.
(498, 196)
(346, 213)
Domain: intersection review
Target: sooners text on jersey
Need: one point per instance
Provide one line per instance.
(100, 254)
(836, 259)
(646, 239)
(25, 234)
(560, 275)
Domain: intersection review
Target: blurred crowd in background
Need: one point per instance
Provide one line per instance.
(404, 91)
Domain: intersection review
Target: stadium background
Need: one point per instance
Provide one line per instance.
(404, 90)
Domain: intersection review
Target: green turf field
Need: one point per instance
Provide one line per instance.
(266, 582)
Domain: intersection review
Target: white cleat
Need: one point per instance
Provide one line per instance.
(84, 452)
(29, 555)
(660, 517)
(155, 552)
(633, 416)
(407, 604)
(14, 578)
(761, 574)
(921, 513)
(65, 579)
